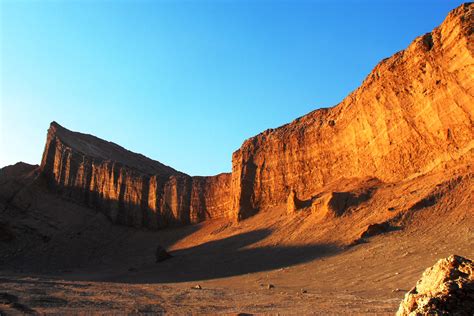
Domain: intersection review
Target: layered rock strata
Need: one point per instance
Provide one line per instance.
(412, 114)
(129, 188)
(414, 111)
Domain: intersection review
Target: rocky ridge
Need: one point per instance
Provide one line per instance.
(129, 188)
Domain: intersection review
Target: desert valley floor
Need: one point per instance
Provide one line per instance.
(272, 262)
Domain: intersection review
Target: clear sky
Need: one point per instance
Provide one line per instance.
(186, 83)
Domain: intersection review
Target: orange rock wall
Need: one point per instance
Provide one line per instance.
(131, 197)
(414, 111)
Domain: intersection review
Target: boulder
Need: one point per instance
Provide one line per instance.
(447, 288)
(161, 254)
(375, 229)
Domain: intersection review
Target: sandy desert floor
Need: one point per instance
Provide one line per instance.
(369, 278)
(273, 263)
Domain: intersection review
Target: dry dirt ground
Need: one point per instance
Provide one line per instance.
(67, 259)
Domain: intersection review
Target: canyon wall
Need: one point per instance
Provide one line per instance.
(414, 111)
(129, 188)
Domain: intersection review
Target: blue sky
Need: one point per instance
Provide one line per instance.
(186, 82)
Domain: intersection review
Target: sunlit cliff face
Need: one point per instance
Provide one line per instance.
(412, 114)
(129, 188)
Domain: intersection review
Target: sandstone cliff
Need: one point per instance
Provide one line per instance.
(129, 188)
(412, 113)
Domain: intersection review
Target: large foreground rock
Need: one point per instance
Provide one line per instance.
(447, 288)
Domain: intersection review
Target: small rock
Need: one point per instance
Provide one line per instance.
(161, 254)
(197, 287)
(376, 229)
(270, 286)
(304, 291)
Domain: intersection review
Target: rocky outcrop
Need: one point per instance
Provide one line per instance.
(447, 288)
(291, 202)
(13, 178)
(376, 229)
(294, 204)
(411, 114)
(129, 188)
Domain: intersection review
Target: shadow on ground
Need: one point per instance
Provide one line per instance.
(58, 238)
(231, 256)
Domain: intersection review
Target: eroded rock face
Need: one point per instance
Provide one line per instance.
(129, 188)
(413, 112)
(447, 288)
(291, 202)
